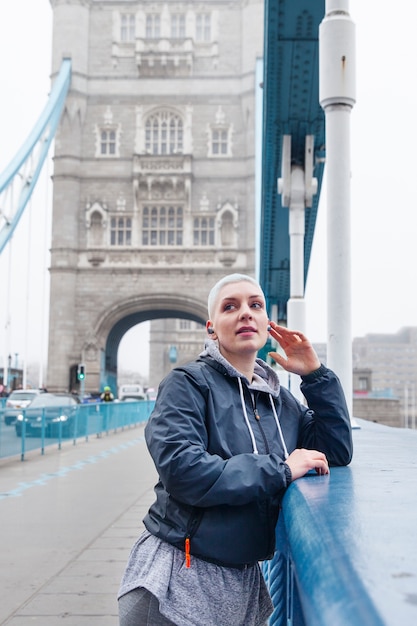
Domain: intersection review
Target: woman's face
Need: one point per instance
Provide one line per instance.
(239, 319)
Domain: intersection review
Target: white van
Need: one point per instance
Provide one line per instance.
(131, 392)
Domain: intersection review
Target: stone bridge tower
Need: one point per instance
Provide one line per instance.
(154, 175)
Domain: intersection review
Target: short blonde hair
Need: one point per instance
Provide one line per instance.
(226, 280)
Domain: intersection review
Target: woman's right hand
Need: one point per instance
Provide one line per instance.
(300, 356)
(301, 461)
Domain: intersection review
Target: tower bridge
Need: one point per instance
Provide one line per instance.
(156, 191)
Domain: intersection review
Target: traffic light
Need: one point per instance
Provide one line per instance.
(81, 371)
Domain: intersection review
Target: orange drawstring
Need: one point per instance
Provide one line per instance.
(187, 553)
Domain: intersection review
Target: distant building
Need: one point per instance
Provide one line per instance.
(380, 406)
(392, 358)
(384, 376)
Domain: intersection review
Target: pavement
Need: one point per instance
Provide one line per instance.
(67, 522)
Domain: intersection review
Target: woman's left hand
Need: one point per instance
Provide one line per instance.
(301, 358)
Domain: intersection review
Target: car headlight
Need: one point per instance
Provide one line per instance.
(60, 418)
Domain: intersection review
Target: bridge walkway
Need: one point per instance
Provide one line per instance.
(68, 520)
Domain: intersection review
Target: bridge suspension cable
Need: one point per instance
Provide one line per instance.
(18, 180)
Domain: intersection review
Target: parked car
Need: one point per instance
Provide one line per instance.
(56, 411)
(18, 400)
(91, 398)
(131, 392)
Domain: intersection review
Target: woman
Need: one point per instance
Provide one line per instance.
(227, 441)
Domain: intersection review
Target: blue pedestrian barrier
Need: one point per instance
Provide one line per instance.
(84, 421)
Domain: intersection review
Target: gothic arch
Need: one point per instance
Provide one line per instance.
(95, 223)
(101, 345)
(164, 131)
(227, 220)
(147, 307)
(183, 125)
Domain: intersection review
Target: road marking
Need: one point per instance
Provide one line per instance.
(63, 471)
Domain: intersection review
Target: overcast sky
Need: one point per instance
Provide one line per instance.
(384, 159)
(383, 136)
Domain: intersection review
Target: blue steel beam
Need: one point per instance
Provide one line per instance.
(291, 107)
(21, 175)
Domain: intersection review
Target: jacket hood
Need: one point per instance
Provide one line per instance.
(264, 378)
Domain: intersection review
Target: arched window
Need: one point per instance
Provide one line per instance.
(164, 133)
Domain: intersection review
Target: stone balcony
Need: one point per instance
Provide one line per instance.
(158, 175)
(165, 56)
(161, 165)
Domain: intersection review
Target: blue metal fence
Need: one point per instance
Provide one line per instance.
(346, 553)
(87, 420)
(312, 577)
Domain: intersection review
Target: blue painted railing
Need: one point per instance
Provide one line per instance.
(89, 420)
(346, 543)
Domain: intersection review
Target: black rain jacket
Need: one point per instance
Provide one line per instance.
(213, 488)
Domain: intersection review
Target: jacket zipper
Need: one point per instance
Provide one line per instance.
(258, 420)
(191, 530)
(271, 534)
